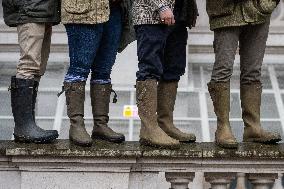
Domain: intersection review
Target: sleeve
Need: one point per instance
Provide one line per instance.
(157, 4)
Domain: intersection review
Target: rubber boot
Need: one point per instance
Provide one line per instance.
(35, 91)
(26, 129)
(250, 103)
(220, 95)
(100, 99)
(75, 98)
(167, 92)
(151, 134)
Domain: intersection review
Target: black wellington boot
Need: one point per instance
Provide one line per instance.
(22, 101)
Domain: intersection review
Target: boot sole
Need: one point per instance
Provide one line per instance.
(270, 141)
(80, 143)
(120, 140)
(25, 139)
(228, 146)
(187, 141)
(147, 143)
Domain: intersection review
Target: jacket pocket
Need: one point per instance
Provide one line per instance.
(216, 8)
(265, 6)
(77, 6)
(39, 8)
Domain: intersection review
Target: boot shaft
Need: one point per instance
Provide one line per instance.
(220, 95)
(146, 97)
(35, 91)
(250, 102)
(22, 100)
(75, 98)
(166, 96)
(167, 92)
(100, 98)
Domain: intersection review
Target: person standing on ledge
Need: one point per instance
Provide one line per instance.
(247, 23)
(161, 34)
(34, 20)
(94, 30)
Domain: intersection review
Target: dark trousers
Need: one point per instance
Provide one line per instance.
(161, 52)
(252, 42)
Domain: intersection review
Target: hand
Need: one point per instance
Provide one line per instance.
(167, 17)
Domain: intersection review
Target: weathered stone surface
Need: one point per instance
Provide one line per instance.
(65, 148)
(134, 149)
(244, 151)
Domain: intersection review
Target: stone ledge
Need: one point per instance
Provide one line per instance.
(63, 148)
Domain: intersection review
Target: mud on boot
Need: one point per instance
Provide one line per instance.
(220, 95)
(167, 92)
(250, 103)
(151, 134)
(23, 103)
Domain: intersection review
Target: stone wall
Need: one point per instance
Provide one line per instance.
(131, 166)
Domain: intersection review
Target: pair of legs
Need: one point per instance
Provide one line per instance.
(34, 40)
(92, 48)
(252, 42)
(162, 59)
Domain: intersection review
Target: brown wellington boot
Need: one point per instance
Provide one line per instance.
(151, 134)
(220, 95)
(75, 98)
(167, 92)
(251, 102)
(100, 98)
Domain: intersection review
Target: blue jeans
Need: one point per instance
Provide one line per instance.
(161, 52)
(93, 47)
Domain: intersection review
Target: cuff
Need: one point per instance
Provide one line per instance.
(163, 8)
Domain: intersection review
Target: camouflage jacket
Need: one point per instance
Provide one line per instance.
(85, 11)
(227, 13)
(147, 11)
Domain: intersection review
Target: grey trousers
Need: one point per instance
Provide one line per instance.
(252, 42)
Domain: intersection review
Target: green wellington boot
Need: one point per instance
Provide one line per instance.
(100, 98)
(220, 95)
(250, 103)
(151, 134)
(75, 98)
(167, 92)
(22, 101)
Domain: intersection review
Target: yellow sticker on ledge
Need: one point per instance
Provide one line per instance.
(130, 111)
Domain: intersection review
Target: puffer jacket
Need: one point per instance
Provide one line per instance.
(31, 11)
(227, 13)
(147, 11)
(85, 11)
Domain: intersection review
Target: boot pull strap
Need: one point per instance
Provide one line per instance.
(114, 100)
(61, 92)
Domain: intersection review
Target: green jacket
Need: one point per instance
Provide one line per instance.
(228, 13)
(18, 12)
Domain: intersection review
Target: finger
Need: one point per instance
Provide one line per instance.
(168, 21)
